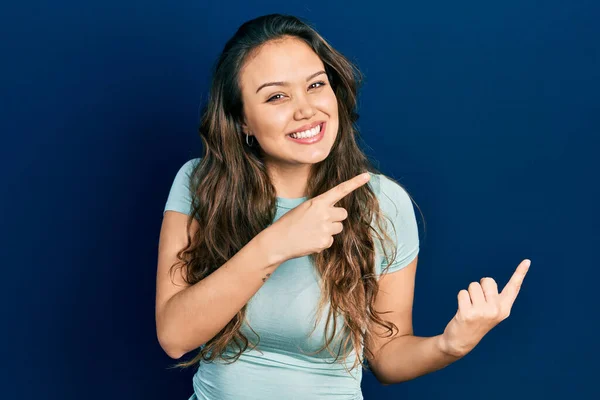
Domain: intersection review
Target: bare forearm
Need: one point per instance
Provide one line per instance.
(408, 357)
(196, 314)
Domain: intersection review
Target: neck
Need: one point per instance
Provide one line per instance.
(290, 181)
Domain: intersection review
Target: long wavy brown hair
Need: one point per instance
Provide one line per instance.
(233, 199)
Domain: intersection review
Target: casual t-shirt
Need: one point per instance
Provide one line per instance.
(283, 313)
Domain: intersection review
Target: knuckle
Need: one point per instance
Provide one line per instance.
(325, 238)
(470, 315)
(314, 204)
(493, 312)
(318, 202)
(488, 281)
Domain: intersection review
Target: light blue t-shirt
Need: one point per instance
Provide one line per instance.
(283, 312)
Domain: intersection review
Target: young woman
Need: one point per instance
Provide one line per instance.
(285, 258)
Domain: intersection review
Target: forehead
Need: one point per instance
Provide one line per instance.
(287, 60)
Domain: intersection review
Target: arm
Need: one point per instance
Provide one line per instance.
(403, 356)
(420, 356)
(189, 316)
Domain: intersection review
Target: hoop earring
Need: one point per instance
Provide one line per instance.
(249, 144)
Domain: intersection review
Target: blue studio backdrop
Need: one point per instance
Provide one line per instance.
(487, 112)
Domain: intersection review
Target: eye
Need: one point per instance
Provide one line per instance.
(321, 83)
(274, 97)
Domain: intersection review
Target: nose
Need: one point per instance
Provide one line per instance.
(304, 109)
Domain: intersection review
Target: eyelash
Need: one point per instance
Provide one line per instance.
(273, 97)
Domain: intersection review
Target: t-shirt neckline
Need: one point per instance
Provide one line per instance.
(289, 203)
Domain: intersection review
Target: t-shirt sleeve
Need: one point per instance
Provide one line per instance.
(180, 197)
(397, 205)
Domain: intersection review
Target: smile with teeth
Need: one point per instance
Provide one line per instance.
(308, 133)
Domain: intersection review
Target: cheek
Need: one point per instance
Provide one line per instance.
(329, 104)
(273, 125)
(268, 121)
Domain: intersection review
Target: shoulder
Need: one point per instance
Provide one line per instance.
(180, 195)
(189, 166)
(184, 174)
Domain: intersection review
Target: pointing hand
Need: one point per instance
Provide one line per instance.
(479, 310)
(309, 228)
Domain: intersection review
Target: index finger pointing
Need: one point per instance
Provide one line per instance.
(338, 192)
(511, 290)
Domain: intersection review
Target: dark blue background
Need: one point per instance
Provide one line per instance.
(488, 113)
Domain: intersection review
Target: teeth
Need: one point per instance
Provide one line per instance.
(308, 133)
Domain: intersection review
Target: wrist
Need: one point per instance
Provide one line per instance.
(443, 346)
(267, 244)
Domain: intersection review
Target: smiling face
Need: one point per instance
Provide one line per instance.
(285, 89)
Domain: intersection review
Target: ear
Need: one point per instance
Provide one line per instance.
(244, 127)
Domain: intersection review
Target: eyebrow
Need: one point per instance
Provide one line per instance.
(287, 83)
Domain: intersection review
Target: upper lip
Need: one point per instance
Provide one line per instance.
(306, 127)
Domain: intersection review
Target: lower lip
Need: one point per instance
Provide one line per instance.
(310, 140)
